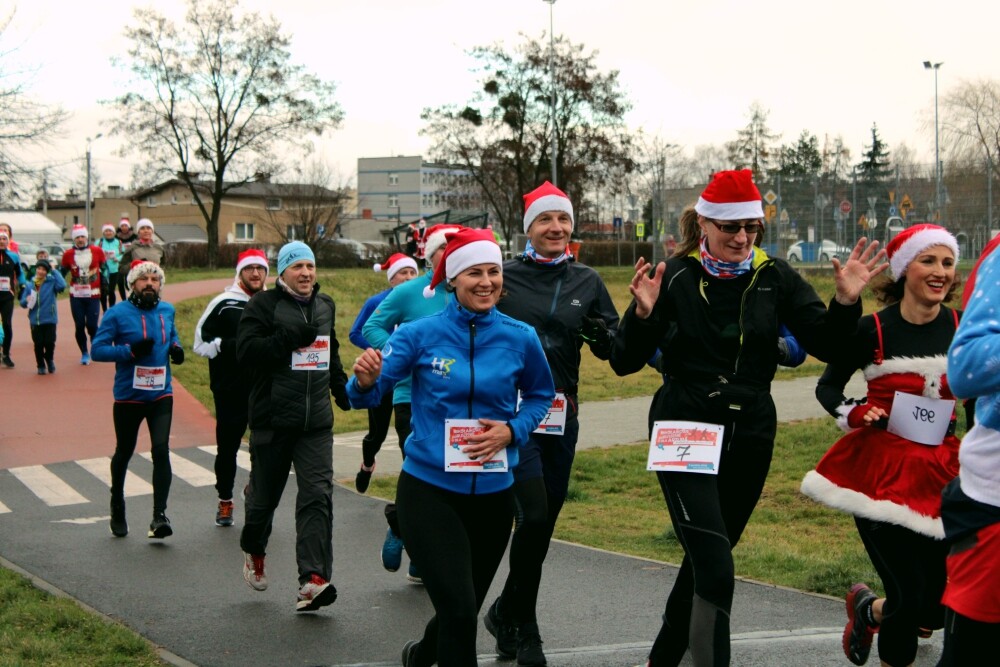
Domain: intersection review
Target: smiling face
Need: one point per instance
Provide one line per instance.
(727, 247)
(549, 233)
(300, 277)
(929, 276)
(478, 287)
(146, 234)
(404, 274)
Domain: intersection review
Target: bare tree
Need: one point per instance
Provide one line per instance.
(217, 94)
(310, 209)
(24, 125)
(970, 123)
(753, 147)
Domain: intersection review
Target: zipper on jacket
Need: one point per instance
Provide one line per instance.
(472, 383)
(308, 401)
(743, 303)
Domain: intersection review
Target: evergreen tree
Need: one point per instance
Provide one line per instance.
(876, 167)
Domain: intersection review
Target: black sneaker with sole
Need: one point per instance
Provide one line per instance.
(119, 526)
(857, 639)
(409, 658)
(159, 527)
(505, 633)
(8, 362)
(529, 646)
(363, 478)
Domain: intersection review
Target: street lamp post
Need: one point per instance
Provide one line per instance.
(552, 80)
(937, 150)
(86, 207)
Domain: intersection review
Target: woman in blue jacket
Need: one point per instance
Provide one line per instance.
(469, 363)
(39, 297)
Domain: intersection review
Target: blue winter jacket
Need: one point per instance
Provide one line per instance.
(44, 311)
(464, 366)
(357, 336)
(125, 324)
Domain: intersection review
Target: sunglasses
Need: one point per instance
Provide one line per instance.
(735, 227)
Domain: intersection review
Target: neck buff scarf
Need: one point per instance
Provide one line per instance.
(143, 302)
(292, 293)
(532, 254)
(720, 269)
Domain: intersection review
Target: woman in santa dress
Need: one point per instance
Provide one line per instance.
(900, 450)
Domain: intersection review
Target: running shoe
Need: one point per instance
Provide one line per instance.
(410, 653)
(85, 359)
(8, 362)
(363, 478)
(505, 633)
(392, 551)
(119, 526)
(41, 370)
(857, 640)
(315, 593)
(159, 527)
(413, 574)
(529, 646)
(52, 366)
(224, 515)
(253, 572)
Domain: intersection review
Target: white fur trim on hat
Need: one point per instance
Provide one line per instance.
(249, 259)
(742, 210)
(78, 231)
(437, 240)
(915, 245)
(140, 269)
(398, 265)
(107, 228)
(478, 252)
(145, 222)
(545, 203)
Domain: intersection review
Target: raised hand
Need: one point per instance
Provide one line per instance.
(368, 367)
(645, 289)
(865, 262)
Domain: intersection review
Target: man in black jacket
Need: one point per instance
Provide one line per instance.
(11, 280)
(287, 341)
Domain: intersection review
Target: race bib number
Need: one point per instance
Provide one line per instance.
(149, 378)
(456, 433)
(554, 422)
(80, 291)
(920, 419)
(315, 357)
(679, 446)
(5, 284)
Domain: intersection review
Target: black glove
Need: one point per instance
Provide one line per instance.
(142, 348)
(594, 332)
(177, 355)
(340, 397)
(300, 335)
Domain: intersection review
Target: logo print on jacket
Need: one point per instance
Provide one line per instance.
(441, 367)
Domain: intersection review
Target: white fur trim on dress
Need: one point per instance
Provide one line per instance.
(742, 210)
(843, 412)
(822, 490)
(931, 368)
(917, 244)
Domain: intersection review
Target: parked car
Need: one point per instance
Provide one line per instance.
(27, 251)
(826, 251)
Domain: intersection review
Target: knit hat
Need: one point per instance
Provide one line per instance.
(395, 264)
(731, 195)
(546, 197)
(294, 252)
(141, 267)
(144, 222)
(78, 231)
(124, 221)
(107, 228)
(42, 265)
(436, 238)
(252, 257)
(914, 240)
(466, 247)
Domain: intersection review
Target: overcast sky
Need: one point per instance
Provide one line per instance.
(691, 69)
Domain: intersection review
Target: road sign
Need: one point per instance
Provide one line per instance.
(906, 204)
(640, 231)
(770, 211)
(784, 216)
(616, 222)
(871, 201)
(770, 197)
(845, 207)
(892, 210)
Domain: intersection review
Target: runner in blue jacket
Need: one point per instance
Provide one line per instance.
(467, 362)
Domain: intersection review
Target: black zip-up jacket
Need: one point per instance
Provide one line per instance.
(281, 398)
(12, 270)
(722, 353)
(555, 300)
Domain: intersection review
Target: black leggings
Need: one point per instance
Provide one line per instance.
(709, 513)
(6, 313)
(535, 515)
(378, 428)
(967, 642)
(127, 418)
(459, 541)
(230, 425)
(912, 569)
(44, 338)
(108, 291)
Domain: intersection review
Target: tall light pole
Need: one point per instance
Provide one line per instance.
(937, 150)
(552, 80)
(86, 208)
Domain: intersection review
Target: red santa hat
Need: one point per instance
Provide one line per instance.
(731, 195)
(107, 228)
(912, 241)
(78, 231)
(436, 238)
(546, 197)
(251, 257)
(145, 222)
(395, 264)
(141, 267)
(466, 247)
(124, 221)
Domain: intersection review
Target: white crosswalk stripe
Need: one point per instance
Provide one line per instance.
(242, 456)
(4, 509)
(101, 469)
(47, 486)
(190, 472)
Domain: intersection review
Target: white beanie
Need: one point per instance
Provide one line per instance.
(78, 231)
(145, 222)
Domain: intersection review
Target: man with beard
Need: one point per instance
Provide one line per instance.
(140, 337)
(215, 338)
(83, 264)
